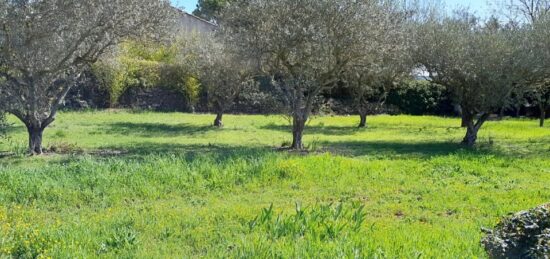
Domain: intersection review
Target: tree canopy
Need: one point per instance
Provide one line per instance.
(45, 44)
(210, 9)
(304, 45)
(480, 63)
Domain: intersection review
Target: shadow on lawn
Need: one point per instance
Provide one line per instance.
(155, 129)
(14, 128)
(189, 151)
(316, 129)
(351, 130)
(378, 149)
(388, 149)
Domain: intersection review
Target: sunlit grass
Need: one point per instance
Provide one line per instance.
(177, 187)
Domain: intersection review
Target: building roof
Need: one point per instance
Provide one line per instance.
(189, 22)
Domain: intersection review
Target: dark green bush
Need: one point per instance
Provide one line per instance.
(421, 98)
(522, 235)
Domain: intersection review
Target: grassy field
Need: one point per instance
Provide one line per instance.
(167, 185)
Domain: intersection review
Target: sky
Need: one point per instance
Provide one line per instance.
(480, 7)
(187, 5)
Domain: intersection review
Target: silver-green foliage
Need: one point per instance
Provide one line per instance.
(304, 45)
(481, 63)
(538, 48)
(46, 44)
(223, 74)
(383, 62)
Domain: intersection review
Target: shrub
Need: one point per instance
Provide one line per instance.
(146, 65)
(523, 235)
(420, 98)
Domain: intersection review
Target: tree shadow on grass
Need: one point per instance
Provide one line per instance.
(390, 149)
(155, 129)
(189, 151)
(317, 129)
(379, 149)
(14, 128)
(351, 130)
(353, 149)
(147, 151)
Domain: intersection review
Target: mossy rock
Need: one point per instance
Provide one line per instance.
(523, 235)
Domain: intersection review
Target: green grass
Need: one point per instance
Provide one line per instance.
(176, 187)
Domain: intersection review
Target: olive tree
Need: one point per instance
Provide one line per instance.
(536, 14)
(538, 52)
(303, 45)
(46, 44)
(382, 63)
(370, 84)
(540, 88)
(223, 75)
(480, 63)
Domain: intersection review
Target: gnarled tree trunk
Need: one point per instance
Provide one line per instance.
(464, 122)
(458, 109)
(35, 139)
(298, 126)
(363, 121)
(472, 127)
(219, 109)
(362, 104)
(35, 129)
(218, 121)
